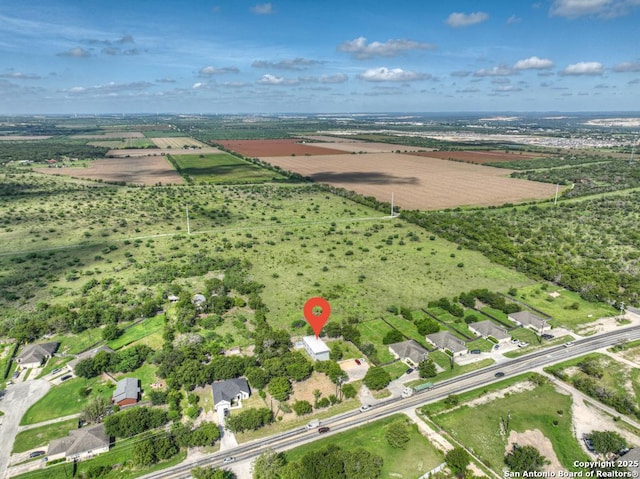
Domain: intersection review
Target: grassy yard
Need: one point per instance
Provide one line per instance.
(407, 328)
(373, 332)
(482, 344)
(478, 427)
(65, 399)
(396, 369)
(443, 360)
(418, 458)
(146, 374)
(566, 308)
(222, 168)
(124, 143)
(76, 343)
(147, 329)
(41, 436)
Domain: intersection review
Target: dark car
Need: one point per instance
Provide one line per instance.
(36, 454)
(499, 374)
(475, 351)
(323, 429)
(410, 370)
(15, 374)
(548, 336)
(64, 378)
(358, 362)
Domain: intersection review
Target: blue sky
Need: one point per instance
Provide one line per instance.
(116, 56)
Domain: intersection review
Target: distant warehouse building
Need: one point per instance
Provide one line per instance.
(316, 348)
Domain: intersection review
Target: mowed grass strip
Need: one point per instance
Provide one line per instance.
(418, 458)
(543, 408)
(143, 329)
(222, 168)
(41, 436)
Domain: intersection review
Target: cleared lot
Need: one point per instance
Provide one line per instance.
(177, 142)
(292, 146)
(148, 170)
(417, 182)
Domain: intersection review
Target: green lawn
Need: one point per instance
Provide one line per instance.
(124, 143)
(407, 328)
(146, 329)
(76, 343)
(41, 436)
(478, 427)
(373, 332)
(534, 344)
(418, 458)
(568, 309)
(222, 168)
(146, 374)
(396, 369)
(65, 399)
(482, 344)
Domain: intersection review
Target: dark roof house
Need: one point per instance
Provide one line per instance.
(127, 392)
(228, 392)
(33, 355)
(489, 328)
(409, 351)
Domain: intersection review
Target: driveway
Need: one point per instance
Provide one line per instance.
(17, 399)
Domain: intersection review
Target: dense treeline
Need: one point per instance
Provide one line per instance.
(589, 179)
(552, 161)
(53, 149)
(590, 246)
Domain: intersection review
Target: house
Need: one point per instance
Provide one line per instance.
(489, 328)
(127, 392)
(229, 394)
(632, 459)
(80, 444)
(199, 300)
(447, 342)
(316, 348)
(408, 351)
(34, 355)
(527, 319)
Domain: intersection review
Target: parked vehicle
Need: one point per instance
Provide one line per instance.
(475, 351)
(358, 362)
(410, 370)
(64, 378)
(36, 454)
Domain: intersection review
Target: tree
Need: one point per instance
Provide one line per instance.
(605, 442)
(257, 377)
(376, 378)
(397, 434)
(85, 369)
(95, 409)
(211, 473)
(393, 336)
(525, 458)
(111, 332)
(268, 465)
(143, 453)
(349, 391)
(427, 368)
(280, 388)
(427, 326)
(361, 464)
(302, 407)
(458, 459)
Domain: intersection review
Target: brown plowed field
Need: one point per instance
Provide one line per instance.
(139, 171)
(417, 182)
(261, 148)
(479, 156)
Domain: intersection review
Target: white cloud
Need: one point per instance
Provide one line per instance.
(274, 80)
(338, 78)
(392, 74)
(359, 48)
(211, 70)
(600, 8)
(533, 63)
(513, 19)
(461, 73)
(20, 76)
(111, 88)
(293, 64)
(263, 9)
(627, 67)
(494, 72)
(77, 52)
(457, 20)
(584, 68)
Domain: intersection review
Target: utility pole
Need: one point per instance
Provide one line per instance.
(188, 227)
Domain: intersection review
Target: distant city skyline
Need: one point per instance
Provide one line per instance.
(63, 56)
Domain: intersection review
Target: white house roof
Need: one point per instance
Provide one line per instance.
(446, 340)
(488, 328)
(409, 349)
(316, 345)
(528, 319)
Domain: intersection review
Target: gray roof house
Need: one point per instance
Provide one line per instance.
(409, 351)
(530, 320)
(80, 444)
(33, 355)
(447, 341)
(127, 392)
(229, 393)
(489, 328)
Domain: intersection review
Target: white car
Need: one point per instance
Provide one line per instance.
(228, 459)
(365, 407)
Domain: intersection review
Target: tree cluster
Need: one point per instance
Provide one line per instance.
(134, 421)
(123, 361)
(250, 419)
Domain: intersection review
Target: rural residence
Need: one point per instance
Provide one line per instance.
(127, 392)
(80, 444)
(34, 355)
(529, 320)
(447, 342)
(408, 351)
(488, 329)
(228, 394)
(316, 348)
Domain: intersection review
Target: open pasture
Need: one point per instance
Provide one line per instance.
(137, 152)
(23, 137)
(480, 157)
(417, 182)
(123, 143)
(148, 170)
(222, 168)
(262, 148)
(174, 142)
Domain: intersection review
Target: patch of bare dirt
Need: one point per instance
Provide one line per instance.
(501, 393)
(538, 440)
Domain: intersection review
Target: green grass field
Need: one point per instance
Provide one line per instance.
(222, 168)
(418, 458)
(124, 143)
(41, 436)
(478, 427)
(65, 399)
(147, 329)
(407, 328)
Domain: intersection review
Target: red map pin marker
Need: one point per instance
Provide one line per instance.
(317, 322)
